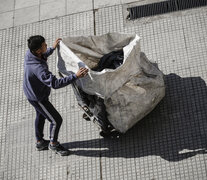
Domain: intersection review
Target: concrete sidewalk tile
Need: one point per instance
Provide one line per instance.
(25, 3)
(6, 5)
(75, 6)
(100, 3)
(26, 15)
(6, 20)
(128, 1)
(52, 10)
(46, 1)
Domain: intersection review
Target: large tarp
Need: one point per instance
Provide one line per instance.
(131, 91)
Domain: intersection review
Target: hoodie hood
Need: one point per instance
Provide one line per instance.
(32, 59)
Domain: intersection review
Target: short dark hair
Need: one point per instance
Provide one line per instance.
(35, 42)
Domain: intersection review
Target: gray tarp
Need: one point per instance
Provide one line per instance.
(131, 91)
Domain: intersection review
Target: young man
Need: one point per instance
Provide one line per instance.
(37, 84)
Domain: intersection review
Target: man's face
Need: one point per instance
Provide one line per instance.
(43, 49)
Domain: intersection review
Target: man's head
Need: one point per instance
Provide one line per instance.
(37, 44)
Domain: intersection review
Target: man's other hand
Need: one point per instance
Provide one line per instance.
(56, 42)
(82, 72)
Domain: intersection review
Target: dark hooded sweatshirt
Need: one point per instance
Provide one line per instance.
(38, 80)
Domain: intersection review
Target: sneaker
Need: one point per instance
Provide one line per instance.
(42, 145)
(58, 149)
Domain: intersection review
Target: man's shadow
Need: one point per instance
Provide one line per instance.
(174, 130)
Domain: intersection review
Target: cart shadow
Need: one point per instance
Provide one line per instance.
(174, 130)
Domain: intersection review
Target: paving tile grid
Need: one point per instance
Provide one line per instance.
(170, 143)
(176, 129)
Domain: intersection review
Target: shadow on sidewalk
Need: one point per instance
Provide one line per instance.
(175, 130)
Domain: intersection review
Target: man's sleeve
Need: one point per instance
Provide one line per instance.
(49, 52)
(47, 78)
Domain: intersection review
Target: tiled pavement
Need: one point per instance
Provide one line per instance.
(170, 143)
(19, 12)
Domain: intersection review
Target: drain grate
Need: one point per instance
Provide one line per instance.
(163, 7)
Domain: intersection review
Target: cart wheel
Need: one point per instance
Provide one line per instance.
(87, 110)
(113, 134)
(85, 116)
(105, 135)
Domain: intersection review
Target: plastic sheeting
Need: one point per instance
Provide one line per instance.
(131, 91)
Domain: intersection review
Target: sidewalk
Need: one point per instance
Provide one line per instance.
(19, 12)
(170, 143)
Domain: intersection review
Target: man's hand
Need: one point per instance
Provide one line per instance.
(56, 42)
(82, 72)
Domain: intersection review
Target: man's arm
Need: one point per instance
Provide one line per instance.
(50, 80)
(51, 49)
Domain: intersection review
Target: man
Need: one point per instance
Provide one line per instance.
(37, 84)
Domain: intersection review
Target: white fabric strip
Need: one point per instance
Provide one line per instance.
(50, 116)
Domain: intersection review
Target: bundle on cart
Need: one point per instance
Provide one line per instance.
(122, 85)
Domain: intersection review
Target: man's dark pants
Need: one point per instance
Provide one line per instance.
(45, 110)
